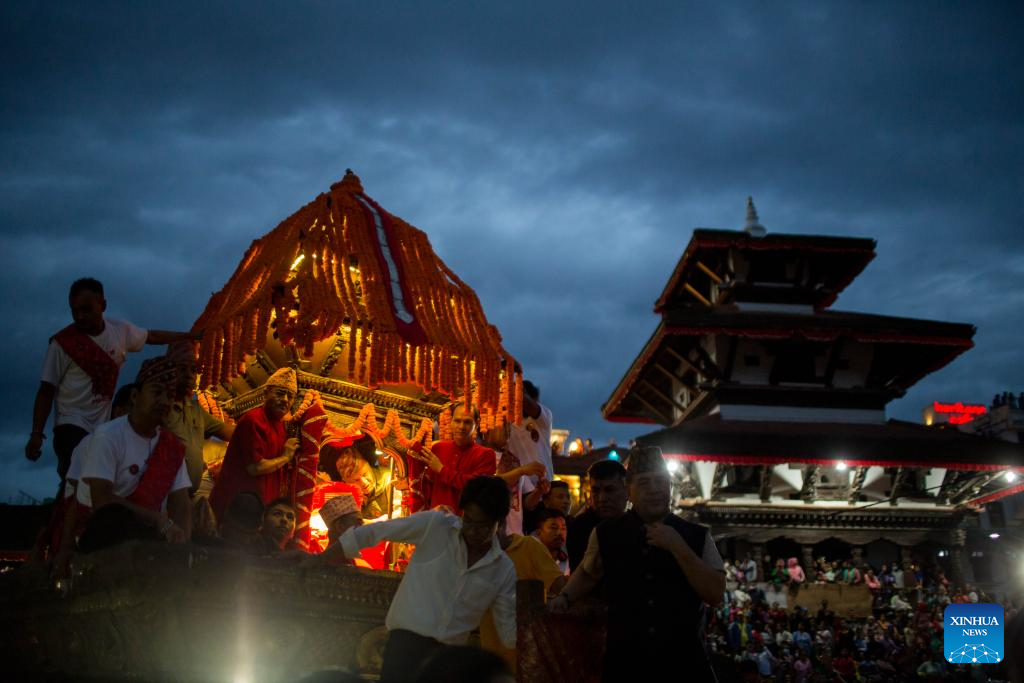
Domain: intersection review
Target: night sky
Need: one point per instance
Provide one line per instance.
(557, 154)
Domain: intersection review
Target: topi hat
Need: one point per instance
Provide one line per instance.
(160, 370)
(643, 459)
(337, 507)
(284, 378)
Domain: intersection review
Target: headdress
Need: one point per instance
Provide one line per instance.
(160, 370)
(337, 507)
(284, 378)
(643, 459)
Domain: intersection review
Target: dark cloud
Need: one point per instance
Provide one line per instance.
(558, 157)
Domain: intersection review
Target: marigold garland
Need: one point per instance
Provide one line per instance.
(366, 423)
(320, 270)
(311, 397)
(208, 402)
(444, 422)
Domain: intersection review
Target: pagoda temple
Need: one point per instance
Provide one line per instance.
(773, 406)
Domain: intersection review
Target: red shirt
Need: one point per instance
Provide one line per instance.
(460, 465)
(256, 438)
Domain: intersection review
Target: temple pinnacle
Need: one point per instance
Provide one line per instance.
(753, 226)
(350, 182)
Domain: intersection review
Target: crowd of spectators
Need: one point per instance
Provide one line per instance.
(756, 633)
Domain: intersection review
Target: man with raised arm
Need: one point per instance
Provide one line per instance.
(450, 464)
(80, 371)
(531, 439)
(457, 571)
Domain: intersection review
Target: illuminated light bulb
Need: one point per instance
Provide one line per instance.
(1011, 476)
(841, 466)
(574, 446)
(672, 466)
(993, 535)
(612, 455)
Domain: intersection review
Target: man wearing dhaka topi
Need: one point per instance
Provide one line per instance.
(259, 448)
(187, 419)
(80, 371)
(134, 481)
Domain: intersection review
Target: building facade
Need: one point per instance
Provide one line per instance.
(773, 404)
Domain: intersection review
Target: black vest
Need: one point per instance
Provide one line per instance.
(653, 612)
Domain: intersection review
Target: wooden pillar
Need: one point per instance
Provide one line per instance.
(757, 550)
(961, 569)
(906, 563)
(808, 560)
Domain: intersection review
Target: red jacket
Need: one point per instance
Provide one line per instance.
(460, 465)
(256, 438)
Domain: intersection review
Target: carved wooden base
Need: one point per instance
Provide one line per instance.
(154, 612)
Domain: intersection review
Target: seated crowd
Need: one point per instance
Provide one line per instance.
(758, 631)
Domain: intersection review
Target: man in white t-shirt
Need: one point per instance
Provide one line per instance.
(531, 440)
(80, 371)
(515, 474)
(66, 509)
(134, 464)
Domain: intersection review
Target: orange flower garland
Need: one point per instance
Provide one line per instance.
(320, 269)
(366, 423)
(444, 421)
(208, 402)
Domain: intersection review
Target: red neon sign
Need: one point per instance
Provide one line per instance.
(959, 413)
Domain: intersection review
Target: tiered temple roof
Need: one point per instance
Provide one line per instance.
(774, 290)
(770, 400)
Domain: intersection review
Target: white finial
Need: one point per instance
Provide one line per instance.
(753, 227)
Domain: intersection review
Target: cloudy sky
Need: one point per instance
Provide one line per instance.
(558, 155)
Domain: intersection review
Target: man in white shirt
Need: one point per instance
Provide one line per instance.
(749, 568)
(516, 475)
(531, 440)
(136, 466)
(65, 521)
(80, 371)
(897, 577)
(457, 571)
